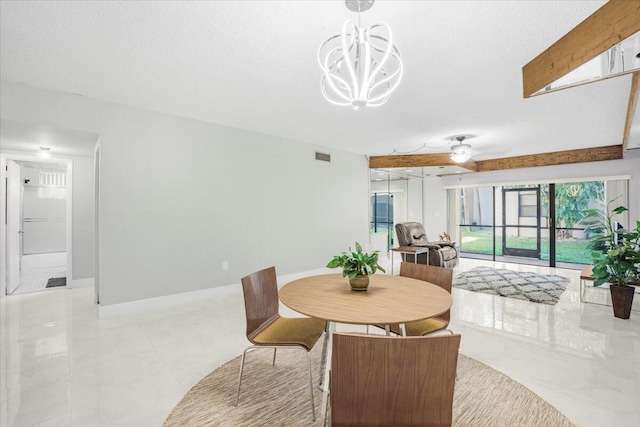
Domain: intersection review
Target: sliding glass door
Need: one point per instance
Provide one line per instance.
(531, 224)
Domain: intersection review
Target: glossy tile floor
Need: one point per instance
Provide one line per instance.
(35, 280)
(62, 366)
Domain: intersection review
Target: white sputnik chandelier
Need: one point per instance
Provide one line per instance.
(361, 65)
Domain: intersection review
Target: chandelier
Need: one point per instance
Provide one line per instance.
(462, 152)
(361, 66)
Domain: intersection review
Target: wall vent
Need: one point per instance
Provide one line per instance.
(323, 157)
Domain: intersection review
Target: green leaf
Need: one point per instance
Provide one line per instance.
(335, 262)
(620, 209)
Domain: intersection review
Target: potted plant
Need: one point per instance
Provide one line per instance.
(616, 257)
(357, 266)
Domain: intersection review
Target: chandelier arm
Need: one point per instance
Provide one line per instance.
(365, 60)
(326, 42)
(387, 80)
(331, 78)
(350, 68)
(339, 91)
(328, 98)
(386, 51)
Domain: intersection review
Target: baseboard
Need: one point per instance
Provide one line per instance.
(105, 311)
(81, 283)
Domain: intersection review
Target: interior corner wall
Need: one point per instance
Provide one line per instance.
(82, 234)
(179, 197)
(630, 165)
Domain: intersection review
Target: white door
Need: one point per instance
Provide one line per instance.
(13, 225)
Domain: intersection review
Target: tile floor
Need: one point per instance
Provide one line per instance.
(62, 366)
(35, 280)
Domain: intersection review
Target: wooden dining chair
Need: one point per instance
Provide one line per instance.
(439, 276)
(390, 381)
(265, 327)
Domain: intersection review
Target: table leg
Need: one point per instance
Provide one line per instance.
(392, 252)
(325, 361)
(403, 330)
(324, 376)
(387, 329)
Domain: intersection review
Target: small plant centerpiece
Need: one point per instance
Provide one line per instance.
(357, 266)
(616, 257)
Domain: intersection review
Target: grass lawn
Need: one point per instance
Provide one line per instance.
(567, 250)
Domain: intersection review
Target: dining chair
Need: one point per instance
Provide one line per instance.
(389, 381)
(439, 276)
(265, 327)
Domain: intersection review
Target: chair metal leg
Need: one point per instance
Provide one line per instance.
(253, 347)
(313, 405)
(244, 353)
(326, 410)
(274, 356)
(323, 358)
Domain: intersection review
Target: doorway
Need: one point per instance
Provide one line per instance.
(38, 217)
(521, 222)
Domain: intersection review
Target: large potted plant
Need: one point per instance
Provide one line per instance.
(616, 257)
(357, 266)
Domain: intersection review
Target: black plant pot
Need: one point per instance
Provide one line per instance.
(622, 299)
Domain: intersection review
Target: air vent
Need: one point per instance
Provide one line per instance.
(323, 157)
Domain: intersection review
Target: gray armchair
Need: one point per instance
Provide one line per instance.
(441, 254)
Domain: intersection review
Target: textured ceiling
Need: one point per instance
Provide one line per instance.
(252, 65)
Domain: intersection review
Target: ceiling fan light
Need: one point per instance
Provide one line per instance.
(461, 153)
(45, 152)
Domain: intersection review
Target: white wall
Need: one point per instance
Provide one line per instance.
(178, 196)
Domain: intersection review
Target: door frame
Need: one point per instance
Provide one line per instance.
(96, 229)
(526, 253)
(4, 157)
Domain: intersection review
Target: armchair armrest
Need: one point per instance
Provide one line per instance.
(436, 245)
(442, 244)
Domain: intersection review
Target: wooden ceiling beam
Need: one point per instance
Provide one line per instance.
(417, 160)
(615, 21)
(631, 109)
(583, 155)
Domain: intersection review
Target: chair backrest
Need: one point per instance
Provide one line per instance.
(429, 273)
(411, 233)
(260, 300)
(385, 381)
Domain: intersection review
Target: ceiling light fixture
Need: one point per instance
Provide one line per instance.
(361, 65)
(462, 152)
(45, 152)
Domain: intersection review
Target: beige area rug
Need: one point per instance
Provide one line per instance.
(279, 396)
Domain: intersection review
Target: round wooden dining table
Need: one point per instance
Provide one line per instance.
(388, 300)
